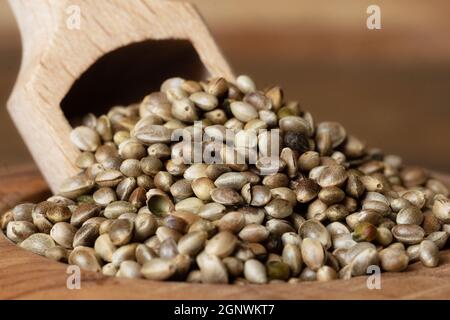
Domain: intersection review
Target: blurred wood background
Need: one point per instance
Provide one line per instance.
(390, 87)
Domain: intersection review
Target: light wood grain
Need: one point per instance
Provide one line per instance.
(24, 275)
(54, 57)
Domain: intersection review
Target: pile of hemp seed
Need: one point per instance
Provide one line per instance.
(330, 208)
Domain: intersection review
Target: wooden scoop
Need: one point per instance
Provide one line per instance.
(57, 55)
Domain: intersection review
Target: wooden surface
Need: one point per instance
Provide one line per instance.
(24, 275)
(55, 56)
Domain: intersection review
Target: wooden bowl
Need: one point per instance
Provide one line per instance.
(24, 275)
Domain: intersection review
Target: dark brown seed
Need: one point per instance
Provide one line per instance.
(355, 188)
(296, 141)
(86, 235)
(309, 160)
(175, 223)
(232, 221)
(138, 198)
(213, 171)
(430, 222)
(336, 212)
(226, 196)
(276, 180)
(408, 233)
(58, 213)
(83, 213)
(125, 188)
(334, 175)
(331, 195)
(151, 165)
(192, 243)
(306, 190)
(217, 87)
(254, 233)
(85, 258)
(182, 189)
(279, 208)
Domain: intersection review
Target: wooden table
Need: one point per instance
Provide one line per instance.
(24, 275)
